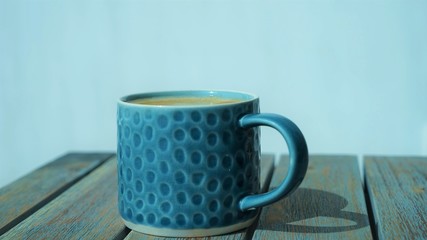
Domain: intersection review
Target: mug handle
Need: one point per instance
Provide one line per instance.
(298, 155)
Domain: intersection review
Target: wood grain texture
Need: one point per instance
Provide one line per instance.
(87, 210)
(397, 190)
(23, 197)
(267, 167)
(329, 204)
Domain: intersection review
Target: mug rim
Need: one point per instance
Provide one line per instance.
(240, 95)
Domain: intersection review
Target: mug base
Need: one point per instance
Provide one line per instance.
(200, 232)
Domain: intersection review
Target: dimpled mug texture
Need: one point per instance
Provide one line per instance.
(186, 168)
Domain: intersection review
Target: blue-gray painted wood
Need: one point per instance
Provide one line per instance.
(87, 210)
(329, 204)
(397, 190)
(23, 197)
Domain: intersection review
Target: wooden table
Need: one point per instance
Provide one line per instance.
(74, 197)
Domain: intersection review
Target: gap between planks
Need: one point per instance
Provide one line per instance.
(19, 199)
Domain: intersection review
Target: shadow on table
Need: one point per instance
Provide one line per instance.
(308, 204)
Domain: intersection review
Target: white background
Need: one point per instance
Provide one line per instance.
(351, 74)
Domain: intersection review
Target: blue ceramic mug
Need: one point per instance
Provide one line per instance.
(189, 161)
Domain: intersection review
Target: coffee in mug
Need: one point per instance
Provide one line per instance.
(182, 101)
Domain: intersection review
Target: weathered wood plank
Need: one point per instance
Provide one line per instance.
(397, 189)
(267, 167)
(87, 210)
(329, 204)
(23, 197)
